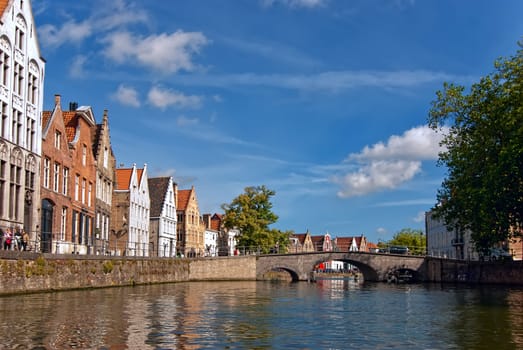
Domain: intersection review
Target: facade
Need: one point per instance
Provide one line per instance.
(57, 165)
(322, 243)
(105, 164)
(21, 99)
(80, 127)
(190, 227)
(212, 232)
(447, 244)
(130, 210)
(301, 243)
(163, 217)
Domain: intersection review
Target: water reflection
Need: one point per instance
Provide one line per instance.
(335, 314)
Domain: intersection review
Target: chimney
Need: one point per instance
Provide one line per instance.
(73, 106)
(57, 100)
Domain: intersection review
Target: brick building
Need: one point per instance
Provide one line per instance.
(55, 190)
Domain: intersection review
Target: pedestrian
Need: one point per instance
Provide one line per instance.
(8, 237)
(25, 240)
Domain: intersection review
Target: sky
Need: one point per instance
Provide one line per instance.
(324, 102)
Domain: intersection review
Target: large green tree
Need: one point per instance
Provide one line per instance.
(413, 239)
(251, 213)
(483, 152)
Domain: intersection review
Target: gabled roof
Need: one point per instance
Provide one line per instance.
(183, 199)
(123, 178)
(344, 243)
(158, 189)
(301, 237)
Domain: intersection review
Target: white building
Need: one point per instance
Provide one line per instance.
(130, 212)
(21, 99)
(447, 244)
(162, 217)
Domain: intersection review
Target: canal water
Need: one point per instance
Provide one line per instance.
(329, 314)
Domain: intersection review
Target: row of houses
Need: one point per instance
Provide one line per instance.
(58, 176)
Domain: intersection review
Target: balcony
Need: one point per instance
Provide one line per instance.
(457, 242)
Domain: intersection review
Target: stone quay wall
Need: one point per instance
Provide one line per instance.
(25, 272)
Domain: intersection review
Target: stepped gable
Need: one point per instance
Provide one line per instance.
(157, 192)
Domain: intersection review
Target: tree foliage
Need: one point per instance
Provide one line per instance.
(251, 213)
(483, 152)
(413, 239)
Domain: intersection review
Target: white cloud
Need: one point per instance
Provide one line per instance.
(295, 3)
(381, 231)
(113, 14)
(127, 96)
(378, 175)
(70, 32)
(419, 143)
(387, 166)
(167, 53)
(163, 98)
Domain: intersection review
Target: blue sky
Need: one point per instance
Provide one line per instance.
(323, 101)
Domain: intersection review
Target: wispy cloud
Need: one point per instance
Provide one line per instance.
(163, 98)
(295, 3)
(385, 166)
(113, 14)
(127, 96)
(326, 81)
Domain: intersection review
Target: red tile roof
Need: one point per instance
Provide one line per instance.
(343, 243)
(123, 178)
(215, 223)
(3, 5)
(46, 116)
(183, 199)
(70, 124)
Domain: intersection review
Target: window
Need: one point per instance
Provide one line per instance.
(57, 139)
(4, 68)
(65, 181)
(4, 126)
(63, 223)
(89, 194)
(47, 172)
(77, 187)
(56, 177)
(14, 194)
(18, 81)
(3, 165)
(29, 179)
(30, 133)
(106, 157)
(84, 155)
(16, 130)
(83, 190)
(19, 38)
(32, 89)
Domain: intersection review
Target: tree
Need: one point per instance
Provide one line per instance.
(483, 152)
(251, 213)
(413, 239)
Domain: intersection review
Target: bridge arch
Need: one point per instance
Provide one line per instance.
(373, 266)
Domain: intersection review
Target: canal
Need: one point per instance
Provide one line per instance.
(329, 314)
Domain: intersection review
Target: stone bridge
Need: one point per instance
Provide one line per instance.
(374, 266)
